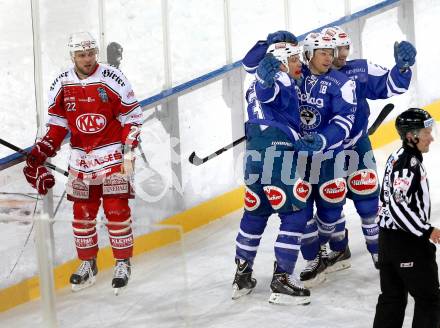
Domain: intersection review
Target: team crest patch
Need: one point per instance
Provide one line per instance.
(363, 182)
(333, 191)
(310, 117)
(302, 190)
(103, 95)
(251, 200)
(276, 196)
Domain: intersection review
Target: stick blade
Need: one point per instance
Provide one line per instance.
(194, 159)
(382, 115)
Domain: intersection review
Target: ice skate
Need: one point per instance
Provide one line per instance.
(337, 261)
(243, 282)
(121, 275)
(84, 276)
(287, 289)
(313, 274)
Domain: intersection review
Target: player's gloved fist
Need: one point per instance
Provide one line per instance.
(39, 178)
(404, 54)
(267, 69)
(281, 36)
(41, 151)
(310, 143)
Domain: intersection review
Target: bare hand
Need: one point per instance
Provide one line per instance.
(435, 236)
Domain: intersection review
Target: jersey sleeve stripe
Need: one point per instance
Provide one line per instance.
(57, 120)
(344, 126)
(276, 90)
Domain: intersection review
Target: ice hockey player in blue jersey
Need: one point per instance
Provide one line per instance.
(327, 111)
(271, 183)
(372, 82)
(258, 51)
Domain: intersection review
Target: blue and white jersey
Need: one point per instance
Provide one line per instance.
(275, 106)
(372, 82)
(327, 106)
(254, 56)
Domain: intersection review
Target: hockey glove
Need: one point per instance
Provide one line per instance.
(267, 69)
(310, 143)
(39, 178)
(281, 36)
(404, 54)
(46, 147)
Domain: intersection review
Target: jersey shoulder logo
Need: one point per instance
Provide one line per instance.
(91, 123)
(103, 95)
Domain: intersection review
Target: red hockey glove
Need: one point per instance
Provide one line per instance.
(130, 135)
(39, 178)
(46, 147)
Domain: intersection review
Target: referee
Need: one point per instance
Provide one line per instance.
(406, 255)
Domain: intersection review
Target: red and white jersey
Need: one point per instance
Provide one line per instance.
(95, 111)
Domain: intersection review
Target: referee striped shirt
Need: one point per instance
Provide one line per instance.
(404, 198)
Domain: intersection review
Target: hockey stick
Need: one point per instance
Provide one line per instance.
(196, 160)
(23, 152)
(379, 119)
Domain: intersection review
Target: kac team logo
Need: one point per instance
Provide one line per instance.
(91, 123)
(310, 117)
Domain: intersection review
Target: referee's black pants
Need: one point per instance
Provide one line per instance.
(407, 264)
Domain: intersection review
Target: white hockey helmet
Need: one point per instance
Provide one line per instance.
(315, 41)
(338, 34)
(81, 41)
(283, 50)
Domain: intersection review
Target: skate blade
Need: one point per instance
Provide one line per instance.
(237, 293)
(338, 266)
(277, 298)
(119, 290)
(319, 279)
(86, 284)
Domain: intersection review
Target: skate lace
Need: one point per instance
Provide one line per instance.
(334, 254)
(312, 264)
(294, 281)
(84, 268)
(121, 270)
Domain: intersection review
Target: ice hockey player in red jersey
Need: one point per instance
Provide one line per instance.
(96, 104)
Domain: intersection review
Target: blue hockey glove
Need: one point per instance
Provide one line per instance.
(310, 143)
(404, 54)
(281, 36)
(266, 70)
